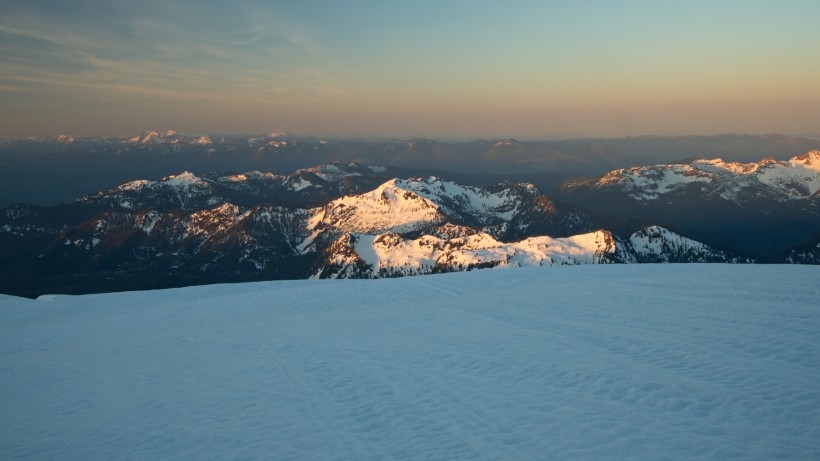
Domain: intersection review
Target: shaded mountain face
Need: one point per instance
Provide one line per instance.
(329, 221)
(756, 208)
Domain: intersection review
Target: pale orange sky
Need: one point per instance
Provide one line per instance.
(528, 69)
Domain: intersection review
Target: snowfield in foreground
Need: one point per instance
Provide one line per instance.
(589, 362)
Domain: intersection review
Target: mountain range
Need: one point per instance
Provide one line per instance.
(54, 170)
(361, 221)
(758, 208)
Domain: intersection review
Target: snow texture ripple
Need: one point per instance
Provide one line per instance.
(588, 362)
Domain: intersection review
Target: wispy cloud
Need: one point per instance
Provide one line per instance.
(10, 88)
(211, 55)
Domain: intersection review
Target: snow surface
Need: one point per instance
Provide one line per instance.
(585, 362)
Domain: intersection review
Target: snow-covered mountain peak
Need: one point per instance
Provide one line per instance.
(248, 175)
(647, 183)
(719, 166)
(487, 205)
(66, 138)
(333, 172)
(168, 137)
(390, 254)
(182, 190)
(151, 137)
(388, 208)
(810, 160)
(184, 179)
(506, 142)
(658, 244)
(135, 185)
(736, 182)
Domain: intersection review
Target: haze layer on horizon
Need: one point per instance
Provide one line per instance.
(445, 69)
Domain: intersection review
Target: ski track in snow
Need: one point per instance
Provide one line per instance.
(587, 362)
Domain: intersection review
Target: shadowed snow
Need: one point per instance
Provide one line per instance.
(590, 362)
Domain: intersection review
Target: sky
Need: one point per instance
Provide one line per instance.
(442, 69)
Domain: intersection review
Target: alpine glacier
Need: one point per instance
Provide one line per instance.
(708, 362)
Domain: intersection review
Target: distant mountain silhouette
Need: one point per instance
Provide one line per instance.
(47, 171)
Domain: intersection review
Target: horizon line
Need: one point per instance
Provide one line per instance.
(382, 138)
